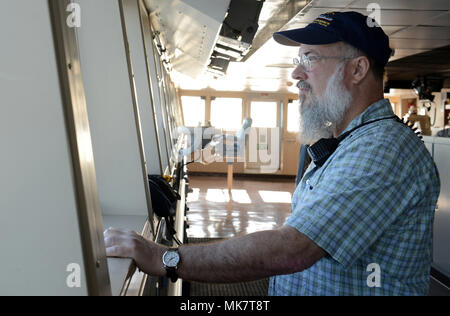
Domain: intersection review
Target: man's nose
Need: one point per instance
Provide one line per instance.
(299, 73)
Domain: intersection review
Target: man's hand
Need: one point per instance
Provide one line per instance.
(128, 244)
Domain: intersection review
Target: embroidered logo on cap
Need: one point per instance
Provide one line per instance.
(324, 19)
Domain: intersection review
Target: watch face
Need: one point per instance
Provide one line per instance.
(171, 258)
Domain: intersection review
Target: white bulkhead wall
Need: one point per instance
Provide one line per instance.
(39, 229)
(109, 100)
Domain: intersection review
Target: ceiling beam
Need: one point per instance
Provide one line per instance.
(287, 10)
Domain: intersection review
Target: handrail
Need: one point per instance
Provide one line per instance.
(175, 289)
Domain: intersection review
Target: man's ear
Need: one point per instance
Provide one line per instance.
(360, 69)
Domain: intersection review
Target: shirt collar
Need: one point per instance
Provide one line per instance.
(381, 108)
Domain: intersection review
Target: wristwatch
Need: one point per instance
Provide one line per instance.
(170, 260)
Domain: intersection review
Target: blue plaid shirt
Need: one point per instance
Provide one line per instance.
(372, 202)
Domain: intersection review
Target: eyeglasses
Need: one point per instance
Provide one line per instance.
(306, 60)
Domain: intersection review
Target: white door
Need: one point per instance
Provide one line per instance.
(263, 149)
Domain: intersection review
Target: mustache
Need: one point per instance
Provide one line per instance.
(303, 85)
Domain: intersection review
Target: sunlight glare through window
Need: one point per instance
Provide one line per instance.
(226, 113)
(217, 195)
(240, 196)
(222, 196)
(275, 196)
(194, 195)
(264, 114)
(193, 111)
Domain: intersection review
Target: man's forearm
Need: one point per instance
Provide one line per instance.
(245, 258)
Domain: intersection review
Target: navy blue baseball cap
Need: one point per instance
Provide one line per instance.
(351, 27)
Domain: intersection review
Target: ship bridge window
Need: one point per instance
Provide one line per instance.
(292, 117)
(193, 111)
(264, 114)
(226, 113)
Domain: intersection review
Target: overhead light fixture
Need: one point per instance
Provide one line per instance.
(236, 36)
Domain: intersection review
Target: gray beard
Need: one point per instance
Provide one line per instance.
(320, 115)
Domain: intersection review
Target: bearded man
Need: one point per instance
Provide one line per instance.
(363, 212)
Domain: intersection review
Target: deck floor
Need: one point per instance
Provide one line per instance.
(253, 205)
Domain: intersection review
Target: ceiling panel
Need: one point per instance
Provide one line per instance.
(425, 32)
(336, 4)
(340, 5)
(214, 9)
(404, 4)
(270, 7)
(294, 24)
(273, 53)
(189, 51)
(391, 17)
(417, 44)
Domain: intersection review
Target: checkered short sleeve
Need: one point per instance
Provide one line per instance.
(361, 191)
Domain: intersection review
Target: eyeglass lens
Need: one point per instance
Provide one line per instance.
(303, 61)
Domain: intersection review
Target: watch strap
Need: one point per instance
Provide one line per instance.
(172, 274)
